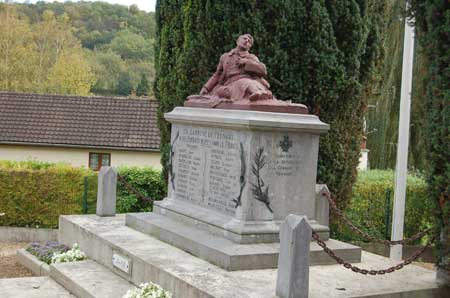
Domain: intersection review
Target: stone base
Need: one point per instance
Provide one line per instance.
(243, 232)
(224, 252)
(187, 276)
(269, 105)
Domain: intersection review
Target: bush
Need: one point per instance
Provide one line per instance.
(367, 207)
(145, 180)
(34, 194)
(45, 252)
(72, 255)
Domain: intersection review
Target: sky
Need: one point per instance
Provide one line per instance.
(147, 5)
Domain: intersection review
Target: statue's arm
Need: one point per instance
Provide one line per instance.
(214, 79)
(254, 66)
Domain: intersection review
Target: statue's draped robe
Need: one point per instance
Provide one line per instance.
(232, 81)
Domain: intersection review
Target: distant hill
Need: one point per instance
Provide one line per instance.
(117, 41)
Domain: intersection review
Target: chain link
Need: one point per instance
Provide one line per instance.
(128, 186)
(366, 235)
(356, 269)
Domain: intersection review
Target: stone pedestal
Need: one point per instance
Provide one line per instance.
(242, 172)
(234, 176)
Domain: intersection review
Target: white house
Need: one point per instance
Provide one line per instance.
(82, 131)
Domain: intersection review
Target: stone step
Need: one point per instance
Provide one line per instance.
(224, 252)
(88, 279)
(187, 276)
(32, 287)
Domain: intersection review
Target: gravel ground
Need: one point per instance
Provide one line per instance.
(9, 267)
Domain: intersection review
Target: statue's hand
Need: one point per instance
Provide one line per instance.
(204, 91)
(242, 61)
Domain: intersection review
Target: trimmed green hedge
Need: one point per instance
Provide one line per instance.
(145, 180)
(368, 206)
(34, 194)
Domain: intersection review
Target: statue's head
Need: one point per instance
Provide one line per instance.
(245, 41)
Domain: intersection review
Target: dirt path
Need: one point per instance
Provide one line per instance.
(9, 267)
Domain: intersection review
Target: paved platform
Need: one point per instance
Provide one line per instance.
(190, 277)
(32, 287)
(224, 252)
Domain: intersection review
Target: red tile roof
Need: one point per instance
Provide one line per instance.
(112, 122)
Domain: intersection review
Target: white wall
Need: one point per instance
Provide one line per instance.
(79, 157)
(363, 160)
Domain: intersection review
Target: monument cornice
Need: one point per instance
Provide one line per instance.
(248, 120)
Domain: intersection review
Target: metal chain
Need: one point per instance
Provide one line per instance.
(367, 236)
(133, 190)
(356, 269)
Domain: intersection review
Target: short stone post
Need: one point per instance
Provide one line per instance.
(293, 260)
(322, 205)
(106, 194)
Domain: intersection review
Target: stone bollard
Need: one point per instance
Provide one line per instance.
(106, 194)
(293, 260)
(322, 205)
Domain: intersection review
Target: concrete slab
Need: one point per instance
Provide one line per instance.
(87, 279)
(223, 252)
(32, 287)
(187, 276)
(29, 261)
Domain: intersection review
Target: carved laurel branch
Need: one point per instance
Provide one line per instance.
(259, 192)
(172, 154)
(242, 177)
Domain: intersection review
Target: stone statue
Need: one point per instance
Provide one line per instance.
(239, 83)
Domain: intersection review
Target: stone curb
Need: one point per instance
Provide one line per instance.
(20, 234)
(38, 267)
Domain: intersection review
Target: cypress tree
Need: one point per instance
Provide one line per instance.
(124, 86)
(432, 21)
(143, 86)
(313, 50)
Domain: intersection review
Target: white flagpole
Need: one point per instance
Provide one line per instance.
(401, 169)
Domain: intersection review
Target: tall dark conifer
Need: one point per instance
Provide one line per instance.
(313, 50)
(432, 20)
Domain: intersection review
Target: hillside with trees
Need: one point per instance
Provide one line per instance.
(76, 48)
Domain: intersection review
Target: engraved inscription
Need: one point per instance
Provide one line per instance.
(208, 168)
(286, 164)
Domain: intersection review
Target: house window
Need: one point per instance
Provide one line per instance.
(97, 160)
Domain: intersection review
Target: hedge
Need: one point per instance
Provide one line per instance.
(34, 194)
(147, 181)
(368, 206)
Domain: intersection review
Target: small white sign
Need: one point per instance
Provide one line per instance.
(122, 263)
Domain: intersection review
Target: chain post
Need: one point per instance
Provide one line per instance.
(85, 195)
(388, 214)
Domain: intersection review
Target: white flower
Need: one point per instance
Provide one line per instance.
(75, 254)
(148, 290)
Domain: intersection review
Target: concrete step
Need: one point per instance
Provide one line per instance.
(187, 276)
(224, 252)
(88, 279)
(32, 287)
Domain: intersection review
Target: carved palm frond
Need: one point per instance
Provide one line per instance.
(259, 192)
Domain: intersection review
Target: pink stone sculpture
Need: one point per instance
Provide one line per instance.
(239, 83)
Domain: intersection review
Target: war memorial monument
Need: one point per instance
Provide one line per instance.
(242, 171)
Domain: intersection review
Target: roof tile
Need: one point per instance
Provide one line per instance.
(83, 121)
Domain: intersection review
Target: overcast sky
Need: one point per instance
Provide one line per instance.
(147, 5)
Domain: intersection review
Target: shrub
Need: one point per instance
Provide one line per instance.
(145, 180)
(36, 193)
(150, 290)
(72, 255)
(367, 207)
(45, 252)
